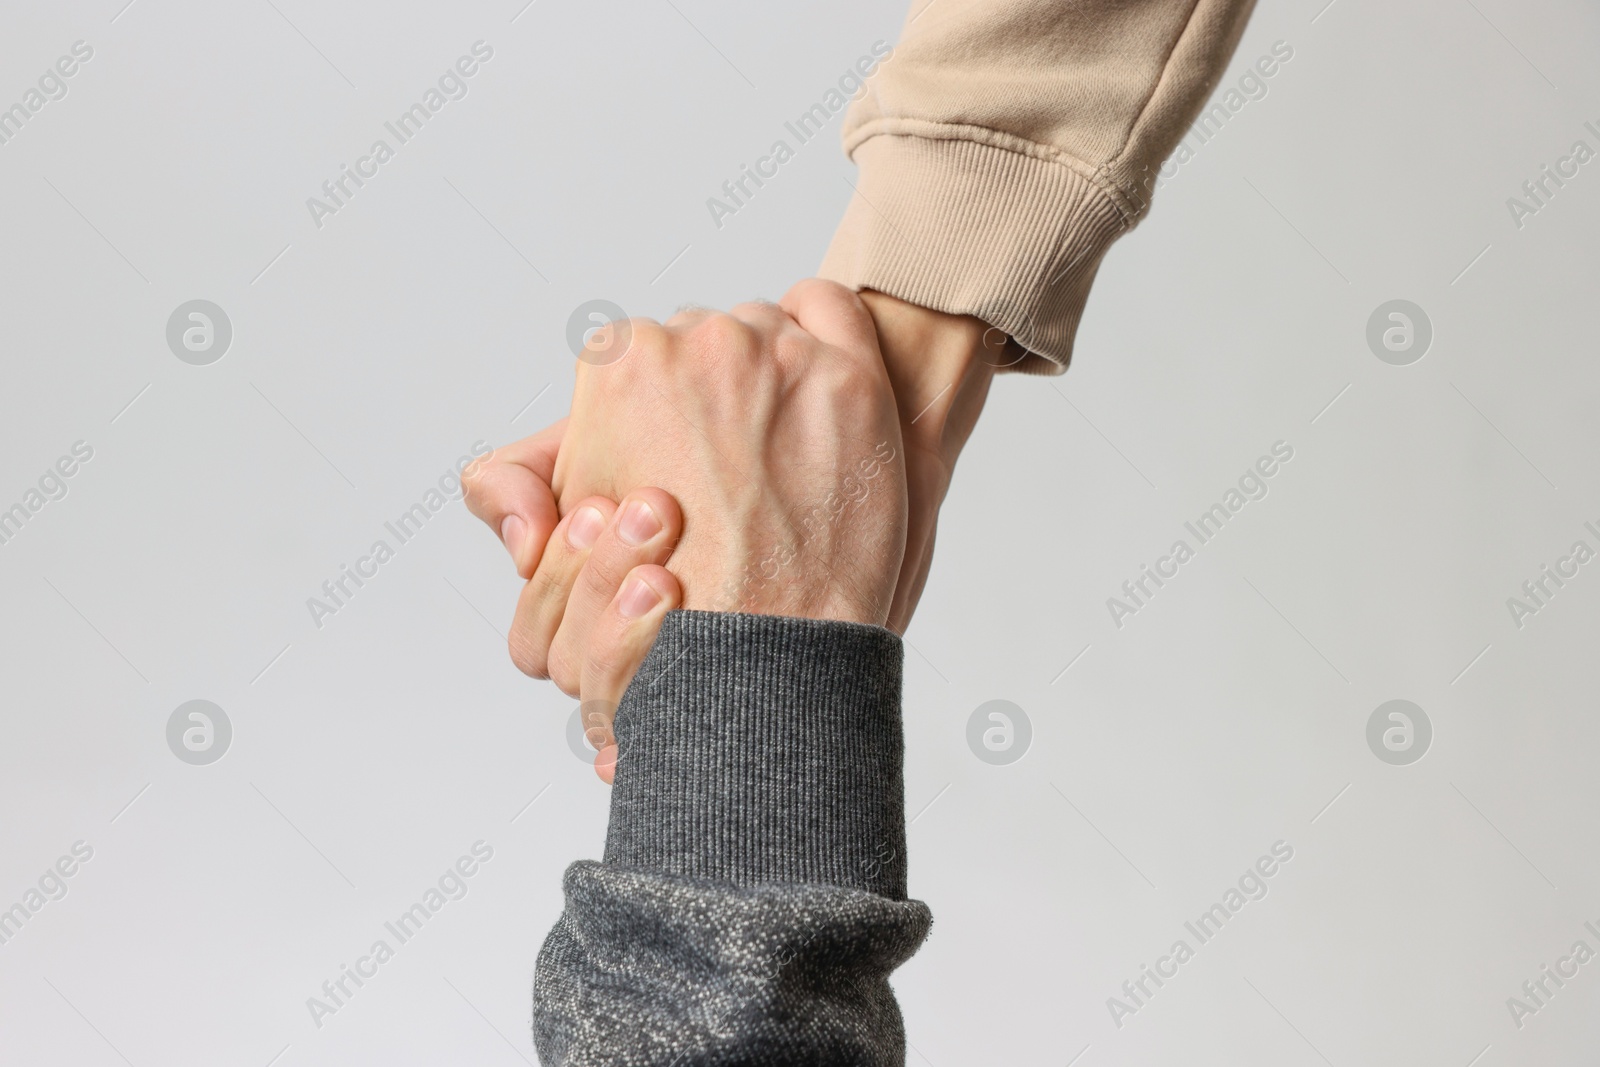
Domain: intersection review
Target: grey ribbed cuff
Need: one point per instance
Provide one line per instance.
(758, 749)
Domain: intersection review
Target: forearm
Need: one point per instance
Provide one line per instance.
(1007, 143)
(751, 904)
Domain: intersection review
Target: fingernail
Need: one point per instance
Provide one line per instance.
(638, 597)
(584, 529)
(513, 531)
(638, 523)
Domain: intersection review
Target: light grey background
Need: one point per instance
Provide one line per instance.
(429, 314)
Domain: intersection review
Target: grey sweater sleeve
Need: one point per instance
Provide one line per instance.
(752, 899)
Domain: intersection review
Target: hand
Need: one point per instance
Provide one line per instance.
(756, 424)
(940, 367)
(784, 410)
(775, 426)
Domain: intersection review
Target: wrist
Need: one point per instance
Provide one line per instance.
(940, 367)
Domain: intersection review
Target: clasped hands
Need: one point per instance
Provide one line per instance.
(783, 459)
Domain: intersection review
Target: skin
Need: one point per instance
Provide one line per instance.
(811, 444)
(940, 368)
(776, 426)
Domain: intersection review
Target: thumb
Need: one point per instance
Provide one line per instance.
(618, 642)
(509, 489)
(832, 314)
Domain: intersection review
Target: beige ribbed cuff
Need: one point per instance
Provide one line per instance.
(1013, 237)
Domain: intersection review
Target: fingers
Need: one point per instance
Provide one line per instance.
(544, 598)
(510, 491)
(619, 640)
(644, 530)
(832, 314)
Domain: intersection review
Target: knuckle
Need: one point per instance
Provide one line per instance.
(686, 314)
(608, 653)
(604, 664)
(720, 335)
(602, 573)
(826, 289)
(613, 352)
(563, 671)
(607, 344)
(473, 481)
(548, 586)
(645, 336)
(527, 654)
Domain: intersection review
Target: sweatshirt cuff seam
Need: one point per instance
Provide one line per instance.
(1127, 203)
(1009, 235)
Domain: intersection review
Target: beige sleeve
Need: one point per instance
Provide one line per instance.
(1004, 144)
